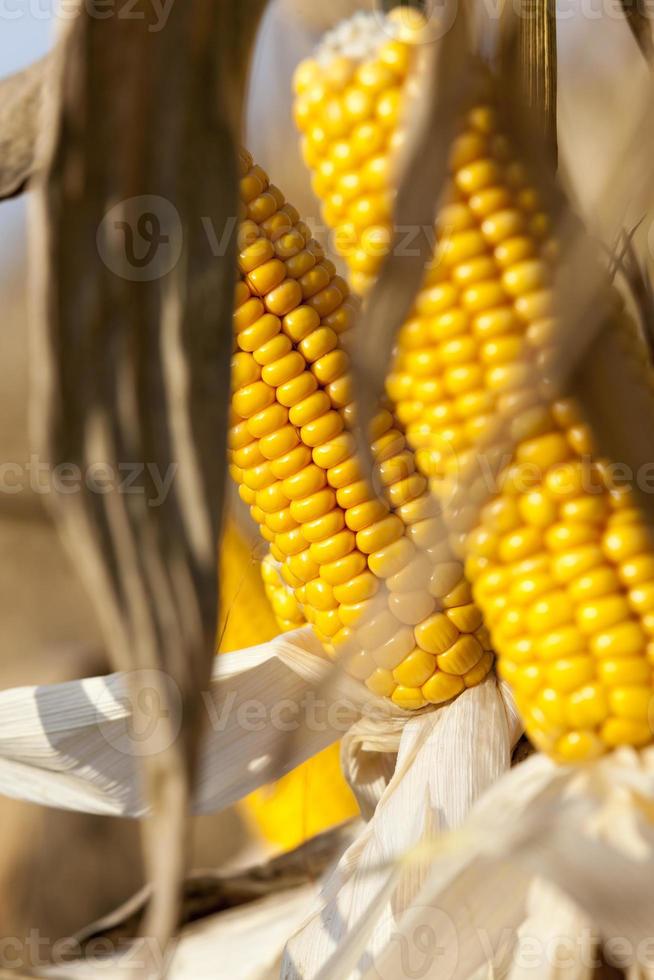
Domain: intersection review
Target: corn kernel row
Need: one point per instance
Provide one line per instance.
(375, 577)
(561, 561)
(349, 100)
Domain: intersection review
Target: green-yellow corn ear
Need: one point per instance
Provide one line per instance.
(375, 577)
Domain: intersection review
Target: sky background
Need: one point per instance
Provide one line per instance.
(23, 39)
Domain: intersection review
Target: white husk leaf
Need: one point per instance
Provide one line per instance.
(77, 745)
(446, 760)
(244, 943)
(547, 851)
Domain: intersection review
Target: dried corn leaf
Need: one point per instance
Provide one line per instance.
(20, 103)
(132, 340)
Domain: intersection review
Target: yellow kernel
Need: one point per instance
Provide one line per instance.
(623, 640)
(442, 687)
(309, 409)
(294, 461)
(358, 613)
(637, 571)
(578, 746)
(537, 509)
(564, 536)
(624, 670)
(479, 671)
(600, 614)
(303, 566)
(436, 634)
(624, 731)
(464, 654)
(354, 494)
(520, 544)
(284, 369)
(358, 589)
(334, 452)
(321, 430)
(568, 565)
(314, 506)
(561, 643)
(409, 698)
(597, 582)
(632, 702)
(291, 542)
(415, 669)
(544, 451)
(363, 515)
(269, 420)
(641, 598)
(380, 535)
(275, 348)
(381, 683)
(281, 520)
(308, 481)
(252, 398)
(586, 707)
(284, 298)
(297, 389)
(278, 443)
(324, 527)
(343, 569)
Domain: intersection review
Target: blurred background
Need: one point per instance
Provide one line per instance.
(47, 626)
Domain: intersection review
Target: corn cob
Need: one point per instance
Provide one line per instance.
(349, 99)
(561, 560)
(374, 576)
(315, 796)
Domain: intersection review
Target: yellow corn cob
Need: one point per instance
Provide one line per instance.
(376, 578)
(315, 796)
(288, 612)
(561, 561)
(348, 106)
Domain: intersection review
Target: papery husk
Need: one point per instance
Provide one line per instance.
(72, 745)
(546, 851)
(446, 760)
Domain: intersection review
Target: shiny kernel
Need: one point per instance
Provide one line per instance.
(637, 571)
(334, 452)
(322, 430)
(358, 613)
(409, 698)
(564, 643)
(436, 634)
(624, 731)
(283, 370)
(569, 536)
(479, 671)
(599, 581)
(261, 478)
(632, 702)
(297, 389)
(279, 521)
(291, 542)
(340, 571)
(627, 542)
(333, 548)
(568, 565)
(537, 509)
(279, 346)
(284, 298)
(380, 535)
(601, 614)
(354, 494)
(461, 657)
(520, 544)
(578, 746)
(278, 443)
(415, 669)
(358, 589)
(344, 474)
(381, 682)
(309, 409)
(252, 398)
(625, 670)
(308, 481)
(324, 527)
(294, 461)
(466, 618)
(623, 640)
(419, 509)
(312, 507)
(364, 515)
(442, 687)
